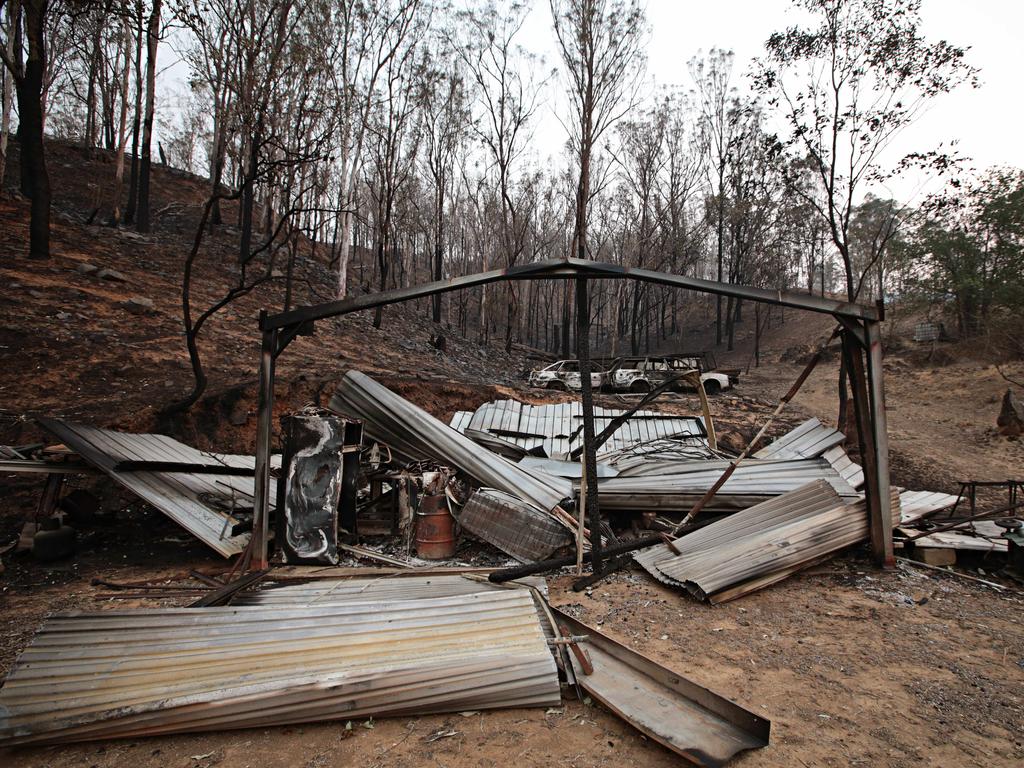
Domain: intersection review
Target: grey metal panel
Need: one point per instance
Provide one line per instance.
(323, 592)
(916, 504)
(131, 673)
(185, 498)
(513, 526)
(770, 538)
(415, 434)
(756, 478)
(560, 423)
(568, 469)
(692, 721)
(809, 440)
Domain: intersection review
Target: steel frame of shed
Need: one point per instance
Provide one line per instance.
(861, 336)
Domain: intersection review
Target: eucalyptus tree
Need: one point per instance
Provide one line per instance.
(370, 34)
(506, 98)
(446, 117)
(712, 76)
(27, 66)
(601, 44)
(850, 81)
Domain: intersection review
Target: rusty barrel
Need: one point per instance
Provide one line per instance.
(435, 529)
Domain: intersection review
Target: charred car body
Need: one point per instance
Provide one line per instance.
(642, 374)
(634, 374)
(565, 375)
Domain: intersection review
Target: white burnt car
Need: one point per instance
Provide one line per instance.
(565, 375)
(642, 374)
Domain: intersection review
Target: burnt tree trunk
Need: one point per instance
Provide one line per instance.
(143, 223)
(35, 182)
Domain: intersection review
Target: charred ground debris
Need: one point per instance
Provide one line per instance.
(286, 637)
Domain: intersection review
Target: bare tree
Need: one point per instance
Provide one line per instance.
(847, 86)
(142, 213)
(507, 99)
(7, 35)
(601, 45)
(27, 68)
(712, 76)
(372, 33)
(393, 151)
(446, 120)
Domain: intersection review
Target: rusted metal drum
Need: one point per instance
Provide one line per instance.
(435, 529)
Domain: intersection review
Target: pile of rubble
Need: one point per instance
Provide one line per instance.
(280, 647)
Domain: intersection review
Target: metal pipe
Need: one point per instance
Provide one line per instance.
(561, 269)
(264, 425)
(882, 545)
(529, 569)
(590, 498)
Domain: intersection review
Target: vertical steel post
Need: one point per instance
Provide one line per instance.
(264, 427)
(853, 358)
(882, 542)
(589, 497)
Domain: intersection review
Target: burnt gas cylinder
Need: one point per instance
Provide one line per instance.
(435, 529)
(53, 540)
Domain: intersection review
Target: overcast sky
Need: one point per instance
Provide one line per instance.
(985, 122)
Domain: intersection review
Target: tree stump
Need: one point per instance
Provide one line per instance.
(1011, 417)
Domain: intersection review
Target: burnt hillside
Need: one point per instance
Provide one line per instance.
(96, 332)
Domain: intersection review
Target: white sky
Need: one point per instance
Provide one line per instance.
(984, 122)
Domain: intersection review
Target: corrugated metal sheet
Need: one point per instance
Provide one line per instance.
(415, 434)
(324, 592)
(126, 674)
(917, 504)
(677, 485)
(848, 469)
(963, 541)
(199, 503)
(568, 469)
(762, 544)
(558, 427)
(513, 526)
(807, 441)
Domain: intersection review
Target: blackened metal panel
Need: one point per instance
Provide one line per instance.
(513, 526)
(314, 478)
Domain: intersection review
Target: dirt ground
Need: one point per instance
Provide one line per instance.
(853, 666)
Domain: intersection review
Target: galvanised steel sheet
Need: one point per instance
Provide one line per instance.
(559, 426)
(199, 503)
(322, 592)
(775, 537)
(415, 434)
(807, 441)
(131, 673)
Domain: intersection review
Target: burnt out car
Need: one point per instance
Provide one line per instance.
(565, 375)
(642, 374)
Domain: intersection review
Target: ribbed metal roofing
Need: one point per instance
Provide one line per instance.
(807, 441)
(675, 485)
(761, 544)
(132, 673)
(415, 434)
(558, 427)
(916, 504)
(324, 592)
(197, 502)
